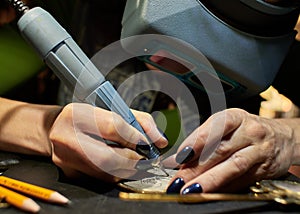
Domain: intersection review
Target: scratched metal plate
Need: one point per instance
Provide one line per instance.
(156, 183)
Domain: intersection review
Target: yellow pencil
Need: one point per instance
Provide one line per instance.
(33, 190)
(3, 203)
(20, 201)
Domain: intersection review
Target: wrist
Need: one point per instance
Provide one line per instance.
(50, 116)
(25, 127)
(292, 133)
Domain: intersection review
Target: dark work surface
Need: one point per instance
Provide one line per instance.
(93, 196)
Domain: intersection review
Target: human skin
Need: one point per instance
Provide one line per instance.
(241, 160)
(297, 28)
(73, 137)
(246, 148)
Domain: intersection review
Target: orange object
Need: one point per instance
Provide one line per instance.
(20, 201)
(33, 190)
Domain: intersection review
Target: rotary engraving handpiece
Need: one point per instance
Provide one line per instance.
(60, 52)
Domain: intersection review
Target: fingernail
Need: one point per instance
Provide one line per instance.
(142, 148)
(163, 134)
(194, 188)
(175, 186)
(147, 150)
(185, 155)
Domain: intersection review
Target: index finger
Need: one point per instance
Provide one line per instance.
(195, 180)
(206, 138)
(150, 128)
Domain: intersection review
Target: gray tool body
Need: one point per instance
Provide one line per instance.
(73, 67)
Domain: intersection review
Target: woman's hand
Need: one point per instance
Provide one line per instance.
(233, 149)
(78, 134)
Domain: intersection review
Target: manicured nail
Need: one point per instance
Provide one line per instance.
(175, 186)
(194, 188)
(147, 150)
(185, 155)
(163, 134)
(143, 148)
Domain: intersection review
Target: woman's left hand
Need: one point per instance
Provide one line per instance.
(233, 149)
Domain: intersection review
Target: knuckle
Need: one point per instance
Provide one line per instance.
(240, 162)
(117, 128)
(255, 129)
(68, 108)
(269, 147)
(271, 165)
(67, 113)
(270, 168)
(130, 139)
(147, 116)
(109, 127)
(148, 122)
(108, 131)
(223, 150)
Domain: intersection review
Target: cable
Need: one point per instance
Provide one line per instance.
(19, 6)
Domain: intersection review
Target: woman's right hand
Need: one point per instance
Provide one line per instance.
(78, 144)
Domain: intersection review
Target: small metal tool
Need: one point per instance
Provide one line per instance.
(60, 52)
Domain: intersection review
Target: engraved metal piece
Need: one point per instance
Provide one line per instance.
(284, 192)
(157, 183)
(154, 189)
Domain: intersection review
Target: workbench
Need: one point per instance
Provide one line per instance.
(91, 196)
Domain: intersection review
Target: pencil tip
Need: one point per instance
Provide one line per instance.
(30, 206)
(69, 203)
(58, 198)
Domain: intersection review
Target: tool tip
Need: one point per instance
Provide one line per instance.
(158, 165)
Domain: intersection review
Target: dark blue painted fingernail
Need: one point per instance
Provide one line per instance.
(175, 186)
(163, 134)
(142, 148)
(194, 188)
(185, 155)
(147, 150)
